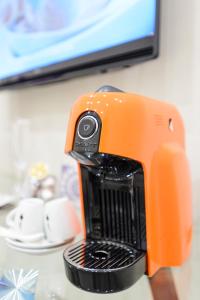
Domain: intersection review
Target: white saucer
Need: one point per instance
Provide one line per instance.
(37, 247)
(35, 251)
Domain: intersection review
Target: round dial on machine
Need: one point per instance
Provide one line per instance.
(87, 127)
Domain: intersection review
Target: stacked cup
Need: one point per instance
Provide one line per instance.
(54, 221)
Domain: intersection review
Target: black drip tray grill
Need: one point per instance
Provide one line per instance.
(100, 255)
(103, 266)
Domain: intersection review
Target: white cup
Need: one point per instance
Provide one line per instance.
(27, 218)
(60, 220)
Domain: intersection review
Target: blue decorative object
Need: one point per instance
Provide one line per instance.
(18, 285)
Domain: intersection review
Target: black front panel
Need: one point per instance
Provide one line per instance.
(114, 201)
(116, 210)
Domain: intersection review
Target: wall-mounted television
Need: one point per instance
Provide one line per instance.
(50, 40)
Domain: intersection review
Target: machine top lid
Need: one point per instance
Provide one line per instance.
(108, 89)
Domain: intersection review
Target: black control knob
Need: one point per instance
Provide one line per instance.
(87, 127)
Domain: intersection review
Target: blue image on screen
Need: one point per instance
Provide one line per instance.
(39, 33)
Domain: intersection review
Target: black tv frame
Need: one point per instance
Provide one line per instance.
(120, 56)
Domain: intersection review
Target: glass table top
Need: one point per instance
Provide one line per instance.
(178, 283)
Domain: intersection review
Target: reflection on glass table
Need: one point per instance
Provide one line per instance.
(163, 286)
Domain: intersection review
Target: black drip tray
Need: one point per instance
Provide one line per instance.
(103, 266)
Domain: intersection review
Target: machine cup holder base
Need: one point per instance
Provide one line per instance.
(103, 266)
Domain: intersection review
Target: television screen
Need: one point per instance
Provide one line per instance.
(45, 40)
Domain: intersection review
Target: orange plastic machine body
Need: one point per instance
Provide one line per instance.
(152, 133)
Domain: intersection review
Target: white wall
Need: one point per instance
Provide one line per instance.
(173, 77)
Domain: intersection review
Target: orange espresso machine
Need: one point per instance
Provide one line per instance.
(135, 189)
